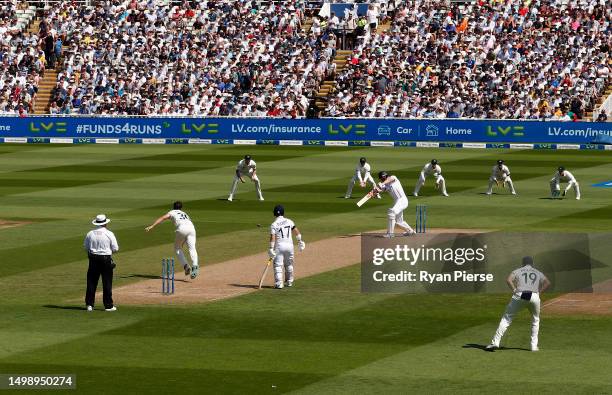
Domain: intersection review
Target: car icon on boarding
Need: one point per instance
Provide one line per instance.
(384, 130)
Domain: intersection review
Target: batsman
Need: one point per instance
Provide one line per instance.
(281, 247)
(395, 214)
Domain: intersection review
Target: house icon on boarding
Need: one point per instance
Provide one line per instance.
(431, 131)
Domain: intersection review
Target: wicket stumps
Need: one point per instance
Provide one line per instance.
(167, 276)
(421, 218)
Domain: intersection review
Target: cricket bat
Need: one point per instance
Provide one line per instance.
(263, 275)
(365, 199)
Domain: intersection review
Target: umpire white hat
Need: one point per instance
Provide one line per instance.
(100, 220)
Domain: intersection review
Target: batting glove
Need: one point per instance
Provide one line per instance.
(301, 245)
(271, 253)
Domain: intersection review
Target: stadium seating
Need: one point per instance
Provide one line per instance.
(547, 59)
(483, 60)
(20, 61)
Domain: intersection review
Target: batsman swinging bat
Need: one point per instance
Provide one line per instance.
(263, 275)
(365, 199)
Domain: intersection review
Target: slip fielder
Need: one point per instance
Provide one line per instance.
(526, 284)
(184, 234)
(246, 167)
(362, 174)
(431, 168)
(392, 185)
(563, 175)
(500, 173)
(281, 247)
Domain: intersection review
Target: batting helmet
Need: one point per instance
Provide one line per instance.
(500, 162)
(383, 175)
(279, 210)
(247, 158)
(362, 160)
(434, 162)
(561, 169)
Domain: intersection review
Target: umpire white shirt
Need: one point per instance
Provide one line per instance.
(101, 241)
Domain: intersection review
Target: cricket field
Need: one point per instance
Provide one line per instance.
(321, 336)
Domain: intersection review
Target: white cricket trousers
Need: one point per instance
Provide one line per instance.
(556, 187)
(493, 180)
(186, 235)
(253, 178)
(440, 182)
(283, 264)
(366, 179)
(517, 304)
(396, 216)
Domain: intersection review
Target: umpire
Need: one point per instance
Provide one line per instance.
(100, 243)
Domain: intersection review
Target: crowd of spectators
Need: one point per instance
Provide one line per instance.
(217, 58)
(21, 63)
(514, 59)
(528, 59)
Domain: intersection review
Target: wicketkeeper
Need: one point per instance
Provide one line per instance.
(563, 175)
(500, 174)
(362, 174)
(431, 168)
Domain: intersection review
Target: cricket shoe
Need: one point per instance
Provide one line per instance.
(535, 348)
(578, 198)
(230, 198)
(195, 271)
(389, 236)
(278, 286)
(491, 347)
(409, 233)
(261, 199)
(289, 284)
(89, 308)
(514, 193)
(415, 194)
(114, 308)
(378, 197)
(187, 270)
(445, 194)
(489, 193)
(347, 197)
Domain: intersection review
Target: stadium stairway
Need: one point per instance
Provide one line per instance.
(47, 83)
(329, 85)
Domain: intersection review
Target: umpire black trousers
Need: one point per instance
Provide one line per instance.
(100, 265)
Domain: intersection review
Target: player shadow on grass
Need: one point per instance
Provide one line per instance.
(252, 286)
(483, 347)
(149, 277)
(54, 306)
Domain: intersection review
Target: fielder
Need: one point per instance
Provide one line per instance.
(500, 173)
(362, 174)
(526, 283)
(395, 214)
(184, 234)
(563, 175)
(246, 167)
(431, 168)
(281, 247)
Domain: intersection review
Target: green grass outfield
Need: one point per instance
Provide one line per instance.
(323, 335)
